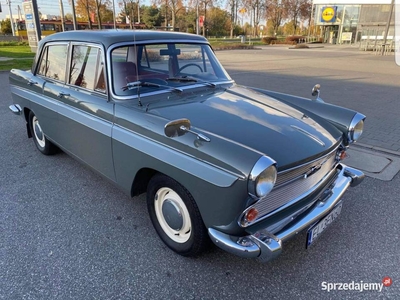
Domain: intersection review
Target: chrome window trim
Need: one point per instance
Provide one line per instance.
(100, 57)
(356, 119)
(167, 91)
(154, 42)
(48, 79)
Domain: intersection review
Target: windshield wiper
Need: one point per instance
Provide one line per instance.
(190, 79)
(137, 84)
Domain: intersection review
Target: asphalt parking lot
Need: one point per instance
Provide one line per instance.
(66, 233)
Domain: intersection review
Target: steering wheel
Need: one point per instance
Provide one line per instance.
(190, 65)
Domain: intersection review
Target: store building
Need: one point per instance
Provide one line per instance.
(354, 21)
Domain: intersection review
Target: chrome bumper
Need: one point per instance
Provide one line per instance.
(15, 109)
(266, 246)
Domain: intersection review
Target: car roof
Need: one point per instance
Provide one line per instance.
(112, 36)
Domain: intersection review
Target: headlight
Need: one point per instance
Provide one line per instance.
(356, 127)
(262, 177)
(265, 181)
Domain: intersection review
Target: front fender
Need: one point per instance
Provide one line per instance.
(338, 116)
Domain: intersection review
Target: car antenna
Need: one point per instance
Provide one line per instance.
(136, 54)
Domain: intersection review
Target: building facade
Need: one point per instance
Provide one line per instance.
(353, 21)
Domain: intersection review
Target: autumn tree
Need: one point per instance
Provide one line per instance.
(256, 8)
(297, 10)
(218, 23)
(83, 9)
(173, 7)
(86, 10)
(276, 13)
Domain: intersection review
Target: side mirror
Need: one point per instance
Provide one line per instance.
(316, 92)
(177, 128)
(180, 127)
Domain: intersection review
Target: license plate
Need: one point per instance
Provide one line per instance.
(315, 231)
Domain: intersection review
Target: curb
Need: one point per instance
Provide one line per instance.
(376, 148)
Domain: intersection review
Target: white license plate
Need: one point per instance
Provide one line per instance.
(315, 231)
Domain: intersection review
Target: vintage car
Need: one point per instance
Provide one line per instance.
(156, 112)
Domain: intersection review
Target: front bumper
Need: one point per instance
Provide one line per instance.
(267, 246)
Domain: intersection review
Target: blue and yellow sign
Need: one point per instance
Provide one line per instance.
(328, 14)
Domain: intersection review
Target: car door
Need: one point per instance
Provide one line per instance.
(49, 80)
(85, 114)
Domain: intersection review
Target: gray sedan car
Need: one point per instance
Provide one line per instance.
(156, 113)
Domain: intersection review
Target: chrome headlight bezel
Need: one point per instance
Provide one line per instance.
(264, 173)
(356, 128)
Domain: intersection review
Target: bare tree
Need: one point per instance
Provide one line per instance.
(233, 5)
(276, 13)
(257, 12)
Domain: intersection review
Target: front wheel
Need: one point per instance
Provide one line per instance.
(175, 216)
(41, 142)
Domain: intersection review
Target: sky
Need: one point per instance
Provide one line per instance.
(49, 7)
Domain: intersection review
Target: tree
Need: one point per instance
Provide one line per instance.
(257, 12)
(218, 23)
(233, 5)
(297, 10)
(276, 13)
(84, 9)
(151, 16)
(6, 26)
(173, 7)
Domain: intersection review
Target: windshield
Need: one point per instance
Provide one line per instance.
(172, 66)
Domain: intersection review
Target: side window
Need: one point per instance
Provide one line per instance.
(53, 61)
(86, 69)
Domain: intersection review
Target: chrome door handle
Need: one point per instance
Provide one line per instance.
(32, 82)
(62, 94)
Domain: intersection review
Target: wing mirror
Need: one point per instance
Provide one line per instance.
(316, 92)
(180, 127)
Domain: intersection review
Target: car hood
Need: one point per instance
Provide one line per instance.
(257, 122)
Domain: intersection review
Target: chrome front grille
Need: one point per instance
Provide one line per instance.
(295, 184)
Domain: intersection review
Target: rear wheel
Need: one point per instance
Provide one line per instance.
(175, 216)
(40, 140)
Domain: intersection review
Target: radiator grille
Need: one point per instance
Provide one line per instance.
(292, 184)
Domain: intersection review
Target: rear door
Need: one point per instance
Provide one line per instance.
(49, 80)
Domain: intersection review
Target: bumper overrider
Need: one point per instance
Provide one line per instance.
(267, 246)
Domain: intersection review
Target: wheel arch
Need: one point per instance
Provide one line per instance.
(141, 181)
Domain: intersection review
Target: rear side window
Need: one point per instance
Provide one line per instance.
(53, 62)
(86, 69)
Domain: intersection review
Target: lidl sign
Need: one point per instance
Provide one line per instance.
(328, 14)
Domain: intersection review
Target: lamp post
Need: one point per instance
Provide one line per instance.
(387, 27)
(11, 18)
(197, 18)
(115, 21)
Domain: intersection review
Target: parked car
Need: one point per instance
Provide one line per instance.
(156, 112)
